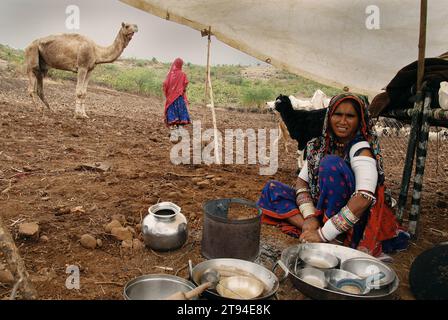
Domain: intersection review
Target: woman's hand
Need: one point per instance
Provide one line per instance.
(310, 236)
(310, 224)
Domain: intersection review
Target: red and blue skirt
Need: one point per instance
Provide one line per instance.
(177, 113)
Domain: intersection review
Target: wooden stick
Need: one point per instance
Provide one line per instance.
(185, 175)
(190, 294)
(14, 260)
(109, 282)
(215, 129)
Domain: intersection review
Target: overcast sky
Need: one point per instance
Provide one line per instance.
(22, 21)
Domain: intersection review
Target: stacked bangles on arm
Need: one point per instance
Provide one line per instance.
(305, 202)
(339, 223)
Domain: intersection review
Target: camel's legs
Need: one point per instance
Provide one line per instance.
(80, 93)
(32, 87)
(84, 93)
(34, 73)
(40, 89)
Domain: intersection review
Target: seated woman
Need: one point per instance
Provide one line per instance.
(339, 193)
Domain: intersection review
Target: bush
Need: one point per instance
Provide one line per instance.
(257, 95)
(138, 80)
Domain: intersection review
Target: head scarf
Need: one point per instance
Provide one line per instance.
(321, 146)
(175, 83)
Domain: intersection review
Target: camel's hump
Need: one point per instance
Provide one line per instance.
(64, 36)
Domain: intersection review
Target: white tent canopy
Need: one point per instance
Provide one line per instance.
(336, 42)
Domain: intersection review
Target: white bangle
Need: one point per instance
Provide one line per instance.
(307, 209)
(329, 231)
(319, 232)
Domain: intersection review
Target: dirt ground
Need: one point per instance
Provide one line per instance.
(41, 181)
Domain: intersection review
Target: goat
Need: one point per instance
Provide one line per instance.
(318, 101)
(302, 125)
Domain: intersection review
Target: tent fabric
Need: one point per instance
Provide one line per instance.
(335, 42)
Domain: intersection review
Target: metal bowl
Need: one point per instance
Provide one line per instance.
(313, 277)
(156, 287)
(318, 259)
(240, 287)
(335, 275)
(364, 267)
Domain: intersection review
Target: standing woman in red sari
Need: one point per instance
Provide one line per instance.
(176, 104)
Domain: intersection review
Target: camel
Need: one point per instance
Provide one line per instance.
(71, 52)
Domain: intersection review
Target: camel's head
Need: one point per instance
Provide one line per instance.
(128, 30)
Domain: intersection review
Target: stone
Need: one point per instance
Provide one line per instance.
(132, 230)
(29, 230)
(61, 211)
(203, 184)
(120, 218)
(137, 245)
(44, 239)
(99, 243)
(6, 277)
(113, 224)
(88, 241)
(219, 181)
(126, 244)
(173, 195)
(122, 234)
(78, 209)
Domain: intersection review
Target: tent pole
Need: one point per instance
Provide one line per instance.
(409, 161)
(208, 66)
(209, 82)
(422, 45)
(420, 169)
(417, 115)
(424, 129)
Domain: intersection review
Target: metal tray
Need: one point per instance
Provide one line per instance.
(288, 262)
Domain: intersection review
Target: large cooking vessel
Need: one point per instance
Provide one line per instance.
(289, 261)
(165, 227)
(268, 278)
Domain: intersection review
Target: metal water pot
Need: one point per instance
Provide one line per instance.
(165, 227)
